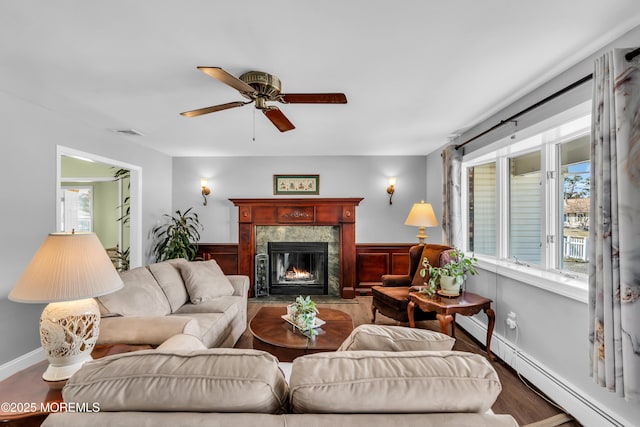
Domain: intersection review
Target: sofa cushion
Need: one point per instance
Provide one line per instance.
(204, 280)
(214, 327)
(153, 330)
(170, 280)
(141, 296)
(396, 338)
(214, 380)
(217, 305)
(393, 382)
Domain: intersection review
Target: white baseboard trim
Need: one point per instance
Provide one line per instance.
(20, 363)
(577, 403)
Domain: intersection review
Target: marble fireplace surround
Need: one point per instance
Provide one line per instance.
(324, 218)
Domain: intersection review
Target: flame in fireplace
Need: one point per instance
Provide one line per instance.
(294, 273)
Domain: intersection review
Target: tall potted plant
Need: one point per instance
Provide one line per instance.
(178, 238)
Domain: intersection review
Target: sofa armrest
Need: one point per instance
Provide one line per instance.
(182, 343)
(396, 280)
(152, 330)
(240, 284)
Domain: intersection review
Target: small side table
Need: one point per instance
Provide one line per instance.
(466, 304)
(28, 395)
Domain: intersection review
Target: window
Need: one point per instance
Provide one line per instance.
(482, 209)
(574, 207)
(77, 209)
(527, 201)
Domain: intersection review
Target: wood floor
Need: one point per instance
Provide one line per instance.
(516, 398)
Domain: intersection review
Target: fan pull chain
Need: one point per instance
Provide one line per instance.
(254, 125)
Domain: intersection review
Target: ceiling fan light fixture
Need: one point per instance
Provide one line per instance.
(266, 85)
(261, 87)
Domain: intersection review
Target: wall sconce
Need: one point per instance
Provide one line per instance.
(205, 190)
(391, 188)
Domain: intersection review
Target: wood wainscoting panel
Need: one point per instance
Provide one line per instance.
(225, 254)
(376, 259)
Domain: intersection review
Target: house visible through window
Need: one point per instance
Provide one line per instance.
(527, 201)
(575, 180)
(482, 209)
(525, 204)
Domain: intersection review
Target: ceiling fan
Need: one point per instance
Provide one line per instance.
(261, 87)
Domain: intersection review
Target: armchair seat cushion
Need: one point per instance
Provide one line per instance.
(393, 297)
(393, 302)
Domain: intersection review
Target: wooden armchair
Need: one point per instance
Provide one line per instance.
(392, 297)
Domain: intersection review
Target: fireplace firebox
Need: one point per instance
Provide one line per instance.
(298, 268)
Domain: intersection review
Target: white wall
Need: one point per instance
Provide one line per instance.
(29, 134)
(552, 328)
(356, 176)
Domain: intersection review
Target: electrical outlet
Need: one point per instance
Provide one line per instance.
(511, 320)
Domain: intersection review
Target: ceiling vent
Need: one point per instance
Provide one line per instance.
(128, 132)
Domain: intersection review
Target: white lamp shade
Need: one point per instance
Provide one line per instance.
(68, 266)
(422, 215)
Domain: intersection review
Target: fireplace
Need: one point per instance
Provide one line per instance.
(277, 212)
(298, 268)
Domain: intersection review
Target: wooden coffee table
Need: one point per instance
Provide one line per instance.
(26, 395)
(446, 309)
(273, 334)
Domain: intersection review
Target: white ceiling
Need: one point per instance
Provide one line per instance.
(414, 71)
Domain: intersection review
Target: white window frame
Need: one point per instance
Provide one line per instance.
(546, 137)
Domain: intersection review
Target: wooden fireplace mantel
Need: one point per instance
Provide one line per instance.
(339, 212)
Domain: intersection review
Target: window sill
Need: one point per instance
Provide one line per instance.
(557, 283)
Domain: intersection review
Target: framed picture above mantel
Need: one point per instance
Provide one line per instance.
(296, 184)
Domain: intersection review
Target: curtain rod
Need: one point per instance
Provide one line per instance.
(629, 56)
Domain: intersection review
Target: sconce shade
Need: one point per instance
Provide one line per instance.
(67, 267)
(421, 215)
(205, 190)
(391, 188)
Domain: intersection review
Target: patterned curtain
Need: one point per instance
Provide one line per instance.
(614, 270)
(451, 197)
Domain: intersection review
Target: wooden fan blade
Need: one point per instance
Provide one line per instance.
(314, 98)
(207, 110)
(278, 119)
(220, 74)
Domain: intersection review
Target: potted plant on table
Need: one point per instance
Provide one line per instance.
(450, 276)
(454, 272)
(302, 313)
(429, 288)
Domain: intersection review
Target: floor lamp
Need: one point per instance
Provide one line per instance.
(67, 271)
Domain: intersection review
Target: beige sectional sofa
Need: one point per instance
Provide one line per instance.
(381, 376)
(174, 297)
